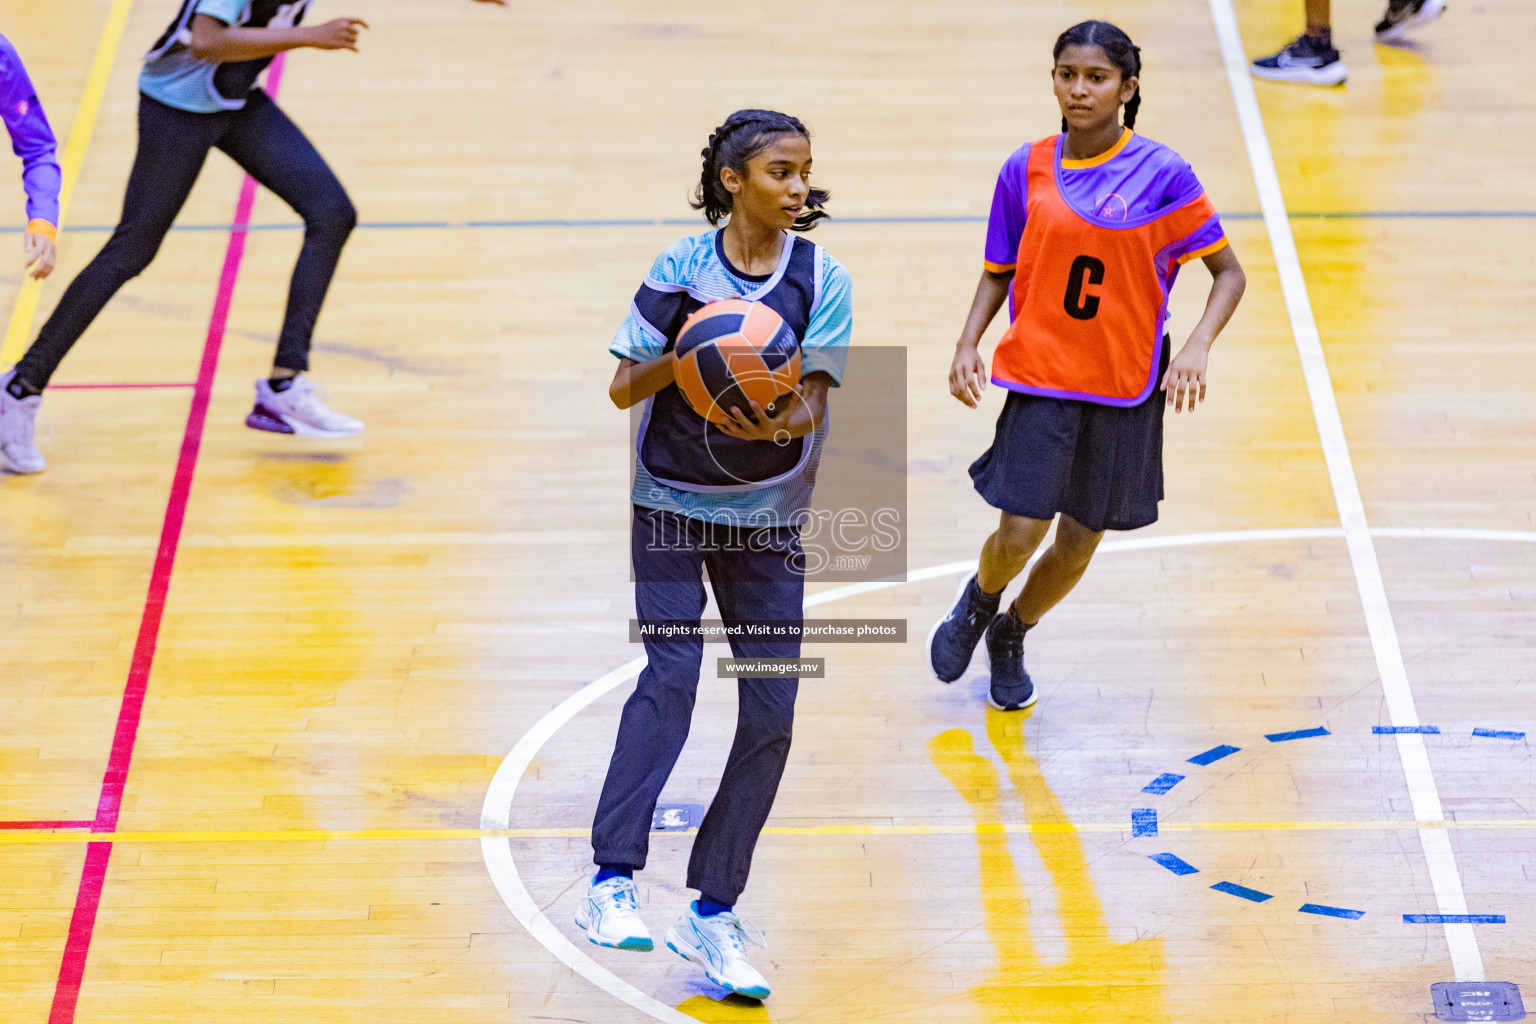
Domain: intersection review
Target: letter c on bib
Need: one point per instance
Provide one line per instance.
(1085, 271)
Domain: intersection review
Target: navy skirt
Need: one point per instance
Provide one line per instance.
(1100, 464)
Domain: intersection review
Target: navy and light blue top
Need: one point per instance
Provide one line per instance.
(31, 138)
(683, 463)
(173, 76)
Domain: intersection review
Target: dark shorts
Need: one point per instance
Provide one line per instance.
(1100, 464)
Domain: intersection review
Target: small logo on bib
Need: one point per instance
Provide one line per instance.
(1111, 207)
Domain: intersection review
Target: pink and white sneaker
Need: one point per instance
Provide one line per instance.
(298, 410)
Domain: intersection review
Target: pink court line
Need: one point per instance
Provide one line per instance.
(104, 387)
(42, 825)
(77, 947)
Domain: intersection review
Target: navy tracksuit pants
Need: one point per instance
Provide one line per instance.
(756, 575)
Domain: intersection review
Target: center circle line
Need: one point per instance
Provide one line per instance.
(496, 811)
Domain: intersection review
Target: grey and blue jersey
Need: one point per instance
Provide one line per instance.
(687, 466)
(173, 76)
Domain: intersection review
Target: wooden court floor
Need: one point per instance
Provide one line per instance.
(307, 823)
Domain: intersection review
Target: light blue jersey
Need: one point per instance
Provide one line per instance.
(695, 269)
(176, 78)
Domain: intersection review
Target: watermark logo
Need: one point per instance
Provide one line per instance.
(836, 512)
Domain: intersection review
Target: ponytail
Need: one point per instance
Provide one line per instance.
(743, 136)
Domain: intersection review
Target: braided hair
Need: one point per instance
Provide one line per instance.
(743, 136)
(1117, 46)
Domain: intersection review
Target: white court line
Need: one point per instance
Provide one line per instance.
(496, 811)
(1444, 876)
(1453, 533)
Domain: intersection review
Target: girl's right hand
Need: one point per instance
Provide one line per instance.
(337, 34)
(968, 375)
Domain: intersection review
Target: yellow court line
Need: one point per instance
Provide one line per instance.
(41, 837)
(70, 163)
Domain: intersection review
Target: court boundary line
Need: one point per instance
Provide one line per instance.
(98, 854)
(1424, 795)
(496, 810)
(70, 164)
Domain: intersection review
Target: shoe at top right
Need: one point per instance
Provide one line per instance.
(1402, 15)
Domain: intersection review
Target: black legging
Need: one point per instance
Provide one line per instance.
(173, 145)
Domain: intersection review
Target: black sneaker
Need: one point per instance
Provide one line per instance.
(953, 638)
(1403, 15)
(1012, 689)
(1306, 60)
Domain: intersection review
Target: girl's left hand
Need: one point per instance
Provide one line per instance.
(42, 254)
(1186, 375)
(765, 428)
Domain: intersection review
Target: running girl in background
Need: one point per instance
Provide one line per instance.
(1087, 233)
(701, 498)
(33, 142)
(198, 92)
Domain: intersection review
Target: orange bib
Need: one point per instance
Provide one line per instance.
(1090, 298)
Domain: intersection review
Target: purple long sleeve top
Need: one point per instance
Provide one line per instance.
(31, 137)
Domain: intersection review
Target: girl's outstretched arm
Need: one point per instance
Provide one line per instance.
(968, 373)
(1186, 372)
(213, 40)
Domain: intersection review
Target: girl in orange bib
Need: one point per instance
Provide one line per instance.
(1088, 231)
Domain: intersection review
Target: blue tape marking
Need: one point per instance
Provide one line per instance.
(1318, 908)
(1233, 889)
(1299, 734)
(398, 225)
(645, 222)
(1454, 918)
(1214, 754)
(1498, 734)
(1393, 730)
(1162, 784)
(1143, 822)
(1174, 864)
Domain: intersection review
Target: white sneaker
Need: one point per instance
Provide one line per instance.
(1402, 15)
(610, 915)
(298, 410)
(18, 421)
(718, 944)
